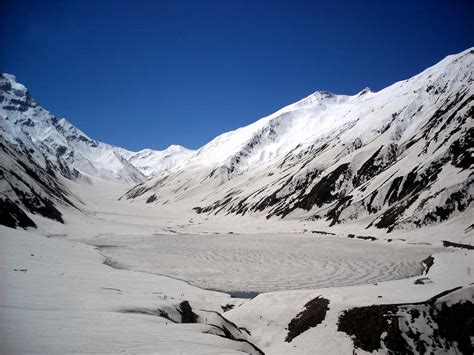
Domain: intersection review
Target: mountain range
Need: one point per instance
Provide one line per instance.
(399, 158)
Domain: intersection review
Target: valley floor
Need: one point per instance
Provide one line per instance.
(120, 277)
(263, 262)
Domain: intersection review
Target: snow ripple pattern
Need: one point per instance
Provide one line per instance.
(263, 263)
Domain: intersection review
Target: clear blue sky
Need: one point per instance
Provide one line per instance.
(151, 73)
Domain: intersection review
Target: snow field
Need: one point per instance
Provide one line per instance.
(264, 262)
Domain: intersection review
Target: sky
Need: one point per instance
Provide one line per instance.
(147, 74)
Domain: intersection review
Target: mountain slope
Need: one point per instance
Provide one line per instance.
(398, 158)
(38, 151)
(27, 186)
(56, 141)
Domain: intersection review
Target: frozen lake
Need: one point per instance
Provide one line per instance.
(264, 262)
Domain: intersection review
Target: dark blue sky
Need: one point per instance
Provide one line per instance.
(151, 73)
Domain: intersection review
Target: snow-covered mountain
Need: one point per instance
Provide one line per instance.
(38, 150)
(398, 158)
(155, 163)
(56, 142)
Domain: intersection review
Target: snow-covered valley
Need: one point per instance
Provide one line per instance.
(108, 281)
(352, 224)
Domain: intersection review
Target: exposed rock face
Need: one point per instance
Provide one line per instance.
(27, 186)
(313, 315)
(440, 324)
(12, 216)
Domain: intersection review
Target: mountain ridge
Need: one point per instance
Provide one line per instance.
(85, 153)
(396, 158)
(38, 150)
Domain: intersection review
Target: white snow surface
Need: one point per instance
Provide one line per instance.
(154, 163)
(69, 302)
(57, 296)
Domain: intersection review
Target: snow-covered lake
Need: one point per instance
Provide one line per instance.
(264, 262)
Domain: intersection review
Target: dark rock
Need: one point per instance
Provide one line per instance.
(227, 307)
(446, 328)
(313, 314)
(428, 263)
(151, 199)
(13, 216)
(447, 243)
(187, 314)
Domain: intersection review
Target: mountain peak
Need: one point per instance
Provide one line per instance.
(176, 148)
(8, 82)
(366, 90)
(454, 57)
(322, 95)
(9, 77)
